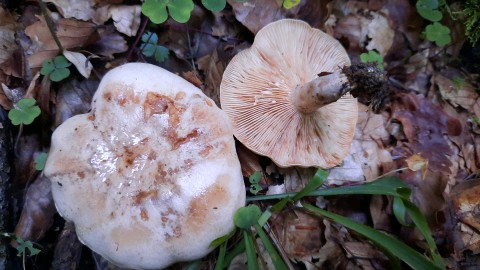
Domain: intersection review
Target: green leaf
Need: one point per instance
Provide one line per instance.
(61, 62)
(24, 112)
(57, 69)
(214, 5)
(59, 74)
(155, 10)
(24, 246)
(272, 251)
(221, 257)
(372, 56)
(161, 53)
(232, 253)
(47, 67)
(428, 10)
(399, 210)
(40, 161)
(255, 177)
(317, 180)
(222, 239)
(252, 263)
(288, 4)
(247, 216)
(385, 241)
(149, 49)
(438, 33)
(255, 188)
(150, 37)
(180, 10)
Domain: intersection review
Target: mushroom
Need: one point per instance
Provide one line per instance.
(287, 98)
(150, 176)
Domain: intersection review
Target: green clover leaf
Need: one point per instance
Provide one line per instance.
(156, 10)
(214, 5)
(57, 69)
(24, 112)
(288, 4)
(180, 10)
(151, 48)
(247, 216)
(428, 10)
(372, 56)
(438, 33)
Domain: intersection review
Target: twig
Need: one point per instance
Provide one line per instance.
(50, 24)
(137, 40)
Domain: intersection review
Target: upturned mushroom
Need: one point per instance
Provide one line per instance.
(150, 176)
(287, 98)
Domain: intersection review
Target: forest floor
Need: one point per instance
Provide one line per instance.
(430, 118)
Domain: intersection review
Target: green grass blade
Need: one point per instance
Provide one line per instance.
(317, 180)
(276, 258)
(384, 186)
(386, 242)
(238, 249)
(421, 223)
(252, 262)
(221, 257)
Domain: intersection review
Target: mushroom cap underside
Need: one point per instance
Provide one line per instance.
(256, 94)
(150, 176)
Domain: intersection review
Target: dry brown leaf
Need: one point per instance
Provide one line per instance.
(417, 163)
(459, 94)
(81, 62)
(466, 200)
(8, 27)
(74, 98)
(126, 18)
(213, 69)
(367, 158)
(72, 34)
(299, 234)
(256, 14)
(425, 125)
(110, 42)
(81, 10)
(38, 210)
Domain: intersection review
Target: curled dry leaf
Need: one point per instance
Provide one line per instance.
(81, 62)
(126, 18)
(417, 163)
(81, 10)
(38, 210)
(459, 92)
(465, 199)
(71, 33)
(368, 31)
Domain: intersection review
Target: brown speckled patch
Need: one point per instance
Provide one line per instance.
(144, 214)
(143, 196)
(200, 207)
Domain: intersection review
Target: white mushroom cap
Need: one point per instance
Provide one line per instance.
(268, 114)
(150, 176)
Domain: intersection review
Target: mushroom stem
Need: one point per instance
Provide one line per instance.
(323, 90)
